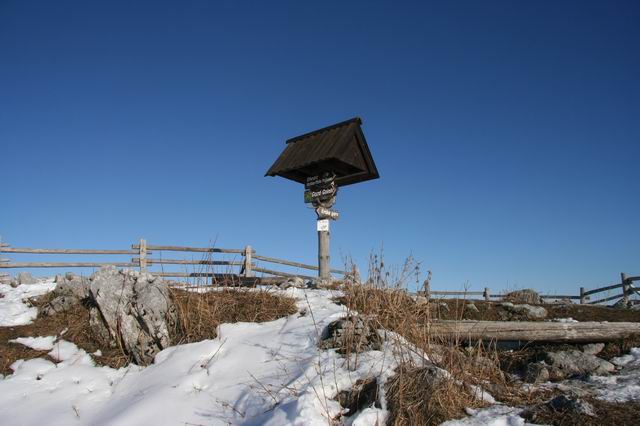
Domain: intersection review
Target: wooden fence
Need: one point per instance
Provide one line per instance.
(626, 284)
(142, 259)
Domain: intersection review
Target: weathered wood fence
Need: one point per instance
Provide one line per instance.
(142, 258)
(584, 296)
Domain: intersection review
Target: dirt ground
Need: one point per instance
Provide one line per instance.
(456, 309)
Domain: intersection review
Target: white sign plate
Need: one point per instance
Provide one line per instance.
(323, 225)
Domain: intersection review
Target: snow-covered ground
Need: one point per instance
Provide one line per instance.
(12, 309)
(252, 374)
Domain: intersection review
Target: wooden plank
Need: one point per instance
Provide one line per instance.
(558, 296)
(65, 265)
(457, 293)
(189, 262)
(637, 278)
(526, 331)
(281, 274)
(294, 264)
(607, 299)
(190, 249)
(64, 251)
(601, 289)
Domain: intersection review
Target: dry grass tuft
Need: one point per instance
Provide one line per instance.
(72, 325)
(420, 396)
(200, 314)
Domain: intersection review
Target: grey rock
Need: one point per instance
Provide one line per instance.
(70, 290)
(135, 308)
(537, 373)
(564, 403)
(531, 312)
(420, 300)
(524, 296)
(25, 278)
(593, 348)
(58, 305)
(352, 334)
(571, 363)
(296, 282)
(472, 308)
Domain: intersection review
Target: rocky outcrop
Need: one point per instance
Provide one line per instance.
(526, 311)
(70, 290)
(352, 334)
(524, 296)
(134, 309)
(127, 309)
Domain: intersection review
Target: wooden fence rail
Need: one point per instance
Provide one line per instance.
(143, 250)
(626, 283)
(248, 268)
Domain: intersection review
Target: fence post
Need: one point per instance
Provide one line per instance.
(427, 289)
(248, 272)
(625, 288)
(583, 299)
(486, 294)
(143, 255)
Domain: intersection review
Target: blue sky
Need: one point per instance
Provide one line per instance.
(507, 134)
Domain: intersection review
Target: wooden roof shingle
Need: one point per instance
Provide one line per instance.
(340, 148)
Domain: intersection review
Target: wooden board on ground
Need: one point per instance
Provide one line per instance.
(524, 331)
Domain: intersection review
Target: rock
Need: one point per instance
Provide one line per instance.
(363, 394)
(537, 373)
(472, 308)
(296, 282)
(524, 296)
(420, 300)
(593, 348)
(70, 290)
(621, 304)
(571, 363)
(350, 335)
(25, 278)
(530, 312)
(135, 310)
(563, 403)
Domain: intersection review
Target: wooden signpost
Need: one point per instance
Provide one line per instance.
(324, 160)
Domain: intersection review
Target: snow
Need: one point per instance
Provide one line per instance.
(38, 343)
(497, 415)
(13, 310)
(624, 386)
(271, 373)
(252, 374)
(565, 320)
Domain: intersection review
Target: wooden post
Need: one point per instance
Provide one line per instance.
(487, 296)
(323, 249)
(248, 271)
(143, 255)
(427, 289)
(625, 288)
(583, 298)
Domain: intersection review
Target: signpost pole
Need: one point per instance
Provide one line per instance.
(323, 249)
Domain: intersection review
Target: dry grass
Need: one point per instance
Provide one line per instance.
(417, 396)
(72, 326)
(200, 314)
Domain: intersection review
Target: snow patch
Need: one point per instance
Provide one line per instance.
(13, 309)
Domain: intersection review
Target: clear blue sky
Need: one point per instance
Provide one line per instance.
(507, 134)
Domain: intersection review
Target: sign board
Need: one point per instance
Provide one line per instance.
(318, 181)
(320, 194)
(325, 213)
(323, 225)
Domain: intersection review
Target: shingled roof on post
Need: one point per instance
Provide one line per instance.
(340, 148)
